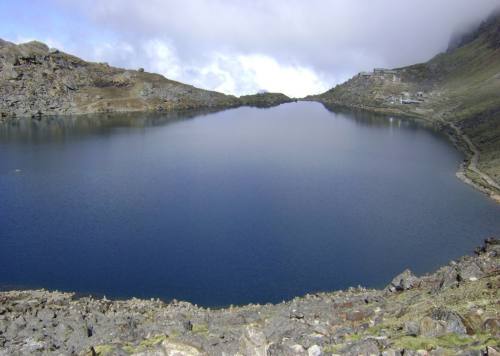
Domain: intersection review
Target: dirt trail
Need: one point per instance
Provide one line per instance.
(472, 166)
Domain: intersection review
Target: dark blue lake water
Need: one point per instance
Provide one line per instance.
(244, 205)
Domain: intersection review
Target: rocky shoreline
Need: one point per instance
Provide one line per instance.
(453, 311)
(468, 171)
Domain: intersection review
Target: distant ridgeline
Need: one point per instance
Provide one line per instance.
(459, 90)
(37, 81)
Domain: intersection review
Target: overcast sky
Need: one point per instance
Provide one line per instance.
(244, 46)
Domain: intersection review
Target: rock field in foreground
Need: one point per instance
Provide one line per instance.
(452, 311)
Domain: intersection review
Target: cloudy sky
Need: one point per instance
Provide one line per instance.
(298, 47)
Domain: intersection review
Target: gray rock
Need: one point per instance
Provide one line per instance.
(492, 351)
(287, 349)
(314, 350)
(9, 73)
(364, 348)
(471, 353)
(178, 349)
(391, 353)
(429, 327)
(253, 342)
(492, 325)
(404, 281)
(453, 322)
(468, 270)
(449, 277)
(411, 328)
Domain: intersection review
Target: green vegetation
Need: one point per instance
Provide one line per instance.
(264, 100)
(449, 341)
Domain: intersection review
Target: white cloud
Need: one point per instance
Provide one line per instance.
(163, 59)
(230, 73)
(112, 52)
(268, 74)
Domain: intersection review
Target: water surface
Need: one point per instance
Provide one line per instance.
(244, 205)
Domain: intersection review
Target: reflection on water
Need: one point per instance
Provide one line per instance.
(376, 119)
(60, 128)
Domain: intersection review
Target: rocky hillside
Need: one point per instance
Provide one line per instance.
(458, 90)
(36, 81)
(264, 100)
(454, 311)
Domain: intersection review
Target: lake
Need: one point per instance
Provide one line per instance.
(244, 205)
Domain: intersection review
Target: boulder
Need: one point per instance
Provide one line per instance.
(314, 350)
(411, 328)
(491, 351)
(448, 276)
(358, 315)
(468, 270)
(429, 327)
(171, 348)
(404, 281)
(453, 321)
(364, 347)
(391, 353)
(492, 326)
(287, 349)
(9, 73)
(473, 322)
(253, 342)
(441, 322)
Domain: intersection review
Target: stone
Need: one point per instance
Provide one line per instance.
(431, 328)
(491, 351)
(253, 342)
(439, 351)
(404, 281)
(473, 322)
(285, 349)
(411, 328)
(391, 353)
(9, 73)
(448, 277)
(469, 271)
(31, 346)
(364, 347)
(177, 349)
(471, 353)
(452, 321)
(492, 326)
(358, 315)
(314, 350)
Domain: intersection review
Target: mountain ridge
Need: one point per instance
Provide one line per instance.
(38, 81)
